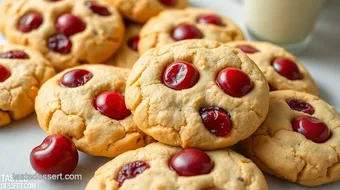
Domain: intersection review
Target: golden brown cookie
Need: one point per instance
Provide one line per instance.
(197, 93)
(191, 23)
(282, 69)
(141, 11)
(298, 141)
(86, 104)
(66, 32)
(22, 72)
(127, 54)
(158, 166)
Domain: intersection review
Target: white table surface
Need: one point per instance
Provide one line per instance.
(322, 58)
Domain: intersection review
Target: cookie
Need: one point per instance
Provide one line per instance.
(66, 32)
(299, 140)
(197, 93)
(86, 104)
(22, 72)
(283, 70)
(191, 23)
(141, 11)
(158, 166)
(127, 54)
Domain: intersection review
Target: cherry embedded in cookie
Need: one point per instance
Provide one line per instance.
(4, 73)
(131, 170)
(133, 43)
(234, 82)
(59, 44)
(56, 154)
(247, 49)
(216, 120)
(180, 75)
(301, 106)
(14, 54)
(97, 8)
(30, 21)
(210, 19)
(75, 78)
(287, 68)
(312, 128)
(70, 24)
(191, 162)
(168, 2)
(112, 105)
(186, 32)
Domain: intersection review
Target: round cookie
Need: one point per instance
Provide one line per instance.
(197, 93)
(298, 141)
(85, 104)
(127, 55)
(191, 23)
(22, 72)
(141, 11)
(282, 69)
(66, 32)
(156, 167)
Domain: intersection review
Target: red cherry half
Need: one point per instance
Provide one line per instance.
(75, 78)
(210, 19)
(59, 44)
(56, 154)
(287, 68)
(133, 43)
(14, 54)
(186, 32)
(234, 82)
(301, 106)
(97, 8)
(4, 73)
(191, 162)
(247, 49)
(216, 120)
(70, 24)
(131, 170)
(168, 2)
(312, 128)
(112, 105)
(30, 21)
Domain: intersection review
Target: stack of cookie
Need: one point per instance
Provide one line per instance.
(195, 87)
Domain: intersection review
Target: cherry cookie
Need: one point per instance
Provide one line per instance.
(298, 141)
(191, 23)
(67, 32)
(86, 104)
(22, 72)
(197, 93)
(127, 54)
(141, 11)
(158, 166)
(282, 69)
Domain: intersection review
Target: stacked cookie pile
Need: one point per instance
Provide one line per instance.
(195, 87)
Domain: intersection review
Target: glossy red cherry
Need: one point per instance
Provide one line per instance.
(234, 82)
(216, 120)
(180, 75)
(210, 19)
(247, 49)
(131, 170)
(4, 73)
(59, 44)
(299, 105)
(312, 128)
(75, 78)
(14, 54)
(112, 105)
(191, 162)
(186, 32)
(97, 8)
(168, 2)
(30, 21)
(133, 43)
(287, 68)
(69, 24)
(56, 154)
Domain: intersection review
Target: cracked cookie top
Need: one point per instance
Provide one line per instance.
(86, 104)
(159, 166)
(66, 32)
(191, 23)
(141, 11)
(298, 141)
(282, 69)
(22, 72)
(197, 93)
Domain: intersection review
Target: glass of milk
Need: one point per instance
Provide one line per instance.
(288, 23)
